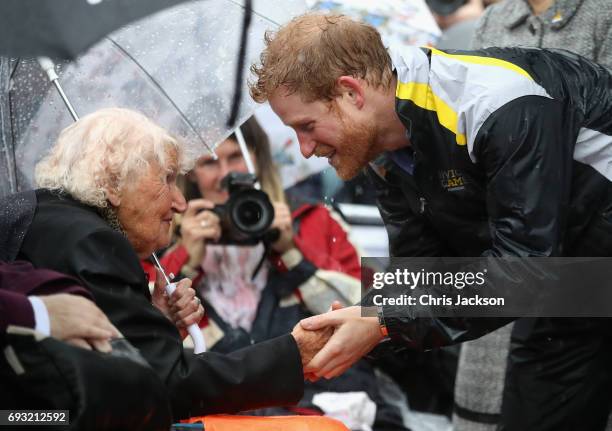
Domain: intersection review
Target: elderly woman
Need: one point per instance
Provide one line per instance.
(107, 198)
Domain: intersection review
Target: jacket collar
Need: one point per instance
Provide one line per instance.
(411, 64)
(558, 15)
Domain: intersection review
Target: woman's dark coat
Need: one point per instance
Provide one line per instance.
(73, 238)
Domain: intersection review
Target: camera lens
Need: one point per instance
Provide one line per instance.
(250, 213)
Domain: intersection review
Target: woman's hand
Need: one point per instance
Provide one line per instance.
(282, 221)
(198, 226)
(182, 308)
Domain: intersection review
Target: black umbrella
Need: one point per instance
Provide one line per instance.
(65, 28)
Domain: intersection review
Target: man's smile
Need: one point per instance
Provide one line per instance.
(326, 151)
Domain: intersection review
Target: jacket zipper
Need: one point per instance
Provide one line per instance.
(422, 204)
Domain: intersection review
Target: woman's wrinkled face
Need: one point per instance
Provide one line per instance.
(209, 172)
(147, 206)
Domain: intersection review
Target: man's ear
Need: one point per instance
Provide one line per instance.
(352, 89)
(113, 197)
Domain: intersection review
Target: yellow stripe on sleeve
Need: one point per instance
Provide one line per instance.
(423, 96)
(485, 61)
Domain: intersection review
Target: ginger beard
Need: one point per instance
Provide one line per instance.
(355, 147)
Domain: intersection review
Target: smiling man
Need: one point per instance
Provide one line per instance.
(495, 153)
(328, 131)
(325, 105)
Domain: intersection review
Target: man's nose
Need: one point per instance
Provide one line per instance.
(307, 146)
(179, 204)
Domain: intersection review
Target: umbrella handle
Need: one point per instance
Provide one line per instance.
(194, 330)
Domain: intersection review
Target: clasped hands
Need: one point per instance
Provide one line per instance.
(331, 342)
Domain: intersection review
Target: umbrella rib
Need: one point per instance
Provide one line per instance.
(161, 90)
(11, 159)
(246, 23)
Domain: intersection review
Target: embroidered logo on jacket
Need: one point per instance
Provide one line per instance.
(452, 180)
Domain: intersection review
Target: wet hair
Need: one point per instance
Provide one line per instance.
(104, 151)
(311, 52)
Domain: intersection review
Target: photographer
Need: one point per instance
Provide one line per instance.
(253, 292)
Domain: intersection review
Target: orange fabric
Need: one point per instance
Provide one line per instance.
(269, 423)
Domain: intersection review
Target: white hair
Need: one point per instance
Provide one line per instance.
(102, 151)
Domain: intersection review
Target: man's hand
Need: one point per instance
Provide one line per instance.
(353, 337)
(79, 321)
(182, 308)
(310, 342)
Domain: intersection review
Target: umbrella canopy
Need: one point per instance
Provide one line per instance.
(65, 28)
(177, 67)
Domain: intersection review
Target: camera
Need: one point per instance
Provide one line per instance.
(248, 213)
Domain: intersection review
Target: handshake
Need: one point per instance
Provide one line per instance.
(331, 342)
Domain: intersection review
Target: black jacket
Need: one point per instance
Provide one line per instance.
(511, 155)
(531, 177)
(72, 238)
